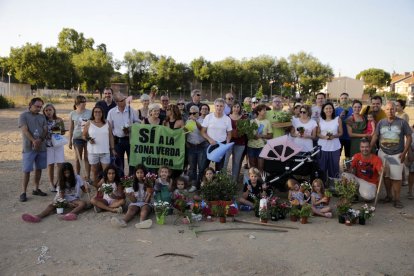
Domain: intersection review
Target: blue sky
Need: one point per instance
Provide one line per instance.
(349, 35)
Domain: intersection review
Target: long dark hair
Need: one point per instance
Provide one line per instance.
(117, 179)
(103, 114)
(136, 181)
(323, 115)
(71, 180)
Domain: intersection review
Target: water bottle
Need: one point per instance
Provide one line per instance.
(36, 136)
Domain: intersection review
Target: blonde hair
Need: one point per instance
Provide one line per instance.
(290, 183)
(254, 171)
(320, 182)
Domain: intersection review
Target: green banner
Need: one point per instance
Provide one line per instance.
(155, 146)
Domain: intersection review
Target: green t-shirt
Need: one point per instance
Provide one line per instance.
(266, 128)
(271, 117)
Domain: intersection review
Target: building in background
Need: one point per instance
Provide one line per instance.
(339, 85)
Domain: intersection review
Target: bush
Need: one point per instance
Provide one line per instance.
(5, 103)
(221, 188)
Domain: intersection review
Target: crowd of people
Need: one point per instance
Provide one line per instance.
(101, 140)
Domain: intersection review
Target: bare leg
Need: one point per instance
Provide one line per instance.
(252, 162)
(94, 172)
(49, 209)
(77, 163)
(87, 166)
(102, 204)
(410, 183)
(396, 189)
(145, 211)
(132, 211)
(260, 164)
(51, 173)
(59, 167)
(245, 202)
(78, 206)
(38, 175)
(388, 186)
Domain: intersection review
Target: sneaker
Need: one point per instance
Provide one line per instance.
(117, 222)
(144, 224)
(97, 209)
(192, 189)
(31, 218)
(39, 192)
(53, 189)
(23, 197)
(69, 217)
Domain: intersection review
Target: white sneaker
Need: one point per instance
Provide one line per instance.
(192, 189)
(144, 224)
(97, 209)
(117, 222)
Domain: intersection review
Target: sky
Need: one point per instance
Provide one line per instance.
(349, 35)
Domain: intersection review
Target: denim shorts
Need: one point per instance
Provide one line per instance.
(36, 158)
(79, 142)
(253, 152)
(95, 158)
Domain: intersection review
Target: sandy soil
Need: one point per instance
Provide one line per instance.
(91, 246)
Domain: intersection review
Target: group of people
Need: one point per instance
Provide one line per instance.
(101, 138)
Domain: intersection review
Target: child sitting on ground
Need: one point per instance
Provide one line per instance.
(140, 202)
(320, 205)
(208, 176)
(295, 196)
(110, 202)
(163, 185)
(254, 189)
(69, 188)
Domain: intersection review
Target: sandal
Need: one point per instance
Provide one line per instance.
(118, 222)
(31, 218)
(398, 204)
(328, 215)
(386, 200)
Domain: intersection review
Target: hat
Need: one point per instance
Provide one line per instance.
(298, 104)
(216, 152)
(255, 100)
(118, 96)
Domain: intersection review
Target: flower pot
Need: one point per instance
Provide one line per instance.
(282, 216)
(293, 218)
(170, 211)
(263, 220)
(256, 213)
(341, 219)
(59, 210)
(222, 219)
(348, 222)
(160, 219)
(129, 190)
(274, 217)
(362, 221)
(304, 220)
(328, 199)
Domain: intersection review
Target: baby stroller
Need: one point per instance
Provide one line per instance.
(283, 159)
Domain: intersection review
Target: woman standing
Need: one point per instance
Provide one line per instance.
(153, 115)
(55, 155)
(78, 118)
(204, 111)
(174, 118)
(97, 132)
(143, 111)
(330, 129)
(356, 125)
(239, 142)
(183, 111)
(399, 110)
(304, 129)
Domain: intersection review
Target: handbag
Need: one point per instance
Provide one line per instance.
(59, 140)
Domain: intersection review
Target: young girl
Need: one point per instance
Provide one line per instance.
(55, 155)
(254, 189)
(370, 124)
(295, 196)
(319, 202)
(114, 201)
(69, 187)
(181, 188)
(140, 202)
(163, 185)
(208, 176)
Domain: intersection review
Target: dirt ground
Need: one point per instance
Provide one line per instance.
(91, 246)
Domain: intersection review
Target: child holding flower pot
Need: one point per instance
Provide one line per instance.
(320, 203)
(114, 196)
(163, 185)
(253, 189)
(69, 190)
(140, 201)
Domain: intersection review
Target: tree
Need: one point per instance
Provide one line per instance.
(375, 78)
(72, 42)
(59, 72)
(201, 69)
(139, 68)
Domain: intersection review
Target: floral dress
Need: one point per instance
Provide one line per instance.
(358, 127)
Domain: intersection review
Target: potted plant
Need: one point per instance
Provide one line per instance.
(346, 190)
(351, 216)
(161, 208)
(107, 188)
(149, 180)
(365, 213)
(247, 127)
(283, 209)
(327, 195)
(60, 205)
(256, 207)
(294, 213)
(127, 182)
(263, 210)
(342, 211)
(221, 188)
(301, 130)
(274, 208)
(220, 210)
(305, 212)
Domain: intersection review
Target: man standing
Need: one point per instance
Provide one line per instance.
(196, 100)
(229, 103)
(391, 133)
(34, 130)
(121, 118)
(271, 116)
(107, 103)
(164, 104)
(343, 111)
(317, 108)
(375, 107)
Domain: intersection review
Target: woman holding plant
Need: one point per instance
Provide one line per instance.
(304, 129)
(239, 142)
(69, 192)
(329, 131)
(356, 125)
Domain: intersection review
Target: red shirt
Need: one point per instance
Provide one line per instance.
(367, 168)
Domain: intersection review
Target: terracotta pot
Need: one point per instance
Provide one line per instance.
(304, 220)
(328, 199)
(223, 219)
(348, 223)
(293, 218)
(263, 220)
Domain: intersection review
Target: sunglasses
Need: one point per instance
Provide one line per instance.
(198, 95)
(303, 112)
(180, 104)
(230, 98)
(192, 113)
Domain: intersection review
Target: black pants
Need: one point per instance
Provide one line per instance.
(122, 146)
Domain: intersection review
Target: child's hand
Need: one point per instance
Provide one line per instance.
(264, 186)
(131, 196)
(249, 188)
(324, 200)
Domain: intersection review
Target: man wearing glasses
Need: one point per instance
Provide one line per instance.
(164, 104)
(108, 102)
(271, 116)
(196, 100)
(34, 130)
(229, 103)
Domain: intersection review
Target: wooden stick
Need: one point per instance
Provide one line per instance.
(265, 224)
(82, 166)
(379, 184)
(238, 229)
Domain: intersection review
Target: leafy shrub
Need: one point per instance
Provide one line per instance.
(5, 103)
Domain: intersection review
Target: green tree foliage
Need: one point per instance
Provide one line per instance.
(139, 68)
(201, 69)
(374, 77)
(59, 71)
(72, 42)
(169, 75)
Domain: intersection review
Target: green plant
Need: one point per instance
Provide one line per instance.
(127, 181)
(328, 193)
(247, 127)
(343, 209)
(222, 187)
(220, 209)
(346, 189)
(283, 117)
(264, 213)
(294, 211)
(61, 203)
(259, 93)
(5, 102)
(366, 212)
(305, 211)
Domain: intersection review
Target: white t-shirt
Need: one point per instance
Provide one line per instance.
(307, 144)
(217, 128)
(331, 126)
